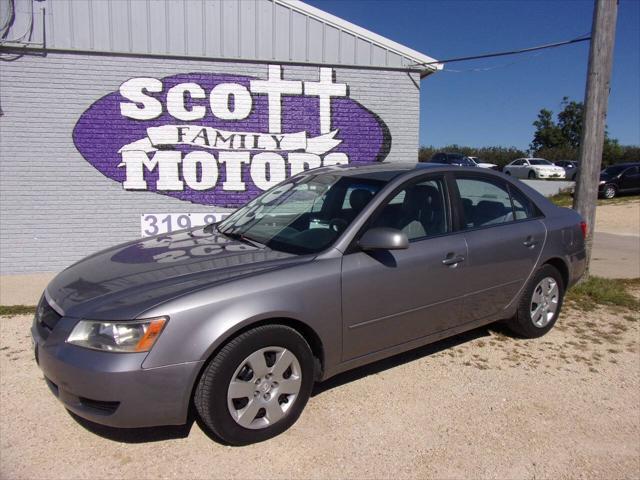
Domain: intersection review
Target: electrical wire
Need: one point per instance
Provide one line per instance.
(509, 52)
(487, 69)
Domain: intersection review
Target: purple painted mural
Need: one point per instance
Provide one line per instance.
(221, 140)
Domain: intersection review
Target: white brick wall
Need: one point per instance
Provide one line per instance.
(56, 208)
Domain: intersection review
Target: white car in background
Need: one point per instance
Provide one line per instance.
(533, 168)
(481, 164)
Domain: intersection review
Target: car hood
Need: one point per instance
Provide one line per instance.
(124, 281)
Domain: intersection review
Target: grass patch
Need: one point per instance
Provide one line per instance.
(597, 291)
(13, 310)
(565, 199)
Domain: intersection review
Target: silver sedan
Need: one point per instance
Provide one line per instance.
(332, 269)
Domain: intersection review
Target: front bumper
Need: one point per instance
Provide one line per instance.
(112, 388)
(551, 175)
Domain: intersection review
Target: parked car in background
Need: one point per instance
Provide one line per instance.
(533, 168)
(481, 164)
(334, 268)
(457, 159)
(619, 178)
(571, 168)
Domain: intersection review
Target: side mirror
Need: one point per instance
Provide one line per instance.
(383, 239)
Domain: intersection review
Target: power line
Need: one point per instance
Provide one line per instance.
(509, 52)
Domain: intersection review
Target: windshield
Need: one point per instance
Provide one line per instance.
(539, 161)
(614, 170)
(304, 215)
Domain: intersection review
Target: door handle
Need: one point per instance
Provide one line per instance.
(452, 260)
(530, 242)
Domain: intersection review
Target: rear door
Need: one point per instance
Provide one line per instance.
(504, 237)
(392, 297)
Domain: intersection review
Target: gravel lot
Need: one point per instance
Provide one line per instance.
(481, 405)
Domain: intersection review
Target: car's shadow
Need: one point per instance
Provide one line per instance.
(402, 358)
(155, 434)
(136, 435)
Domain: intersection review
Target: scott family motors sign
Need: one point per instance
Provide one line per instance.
(220, 139)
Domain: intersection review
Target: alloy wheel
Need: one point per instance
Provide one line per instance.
(544, 302)
(609, 191)
(264, 387)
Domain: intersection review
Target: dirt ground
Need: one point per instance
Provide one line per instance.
(616, 243)
(620, 217)
(480, 405)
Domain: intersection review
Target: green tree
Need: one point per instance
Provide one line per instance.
(548, 134)
(570, 121)
(561, 140)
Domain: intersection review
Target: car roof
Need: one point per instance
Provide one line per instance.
(378, 171)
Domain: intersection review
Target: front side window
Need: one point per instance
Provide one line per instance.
(614, 170)
(419, 210)
(303, 215)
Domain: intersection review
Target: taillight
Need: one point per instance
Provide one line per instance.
(583, 227)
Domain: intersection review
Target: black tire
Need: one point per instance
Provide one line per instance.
(508, 172)
(609, 191)
(210, 397)
(532, 175)
(522, 323)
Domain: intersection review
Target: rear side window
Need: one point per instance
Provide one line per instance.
(488, 202)
(484, 202)
(522, 207)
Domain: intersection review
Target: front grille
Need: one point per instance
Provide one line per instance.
(46, 318)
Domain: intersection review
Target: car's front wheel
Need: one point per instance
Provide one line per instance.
(609, 191)
(532, 175)
(257, 385)
(540, 304)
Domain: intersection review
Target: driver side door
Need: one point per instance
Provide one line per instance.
(630, 179)
(391, 297)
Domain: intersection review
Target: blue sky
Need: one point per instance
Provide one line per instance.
(497, 107)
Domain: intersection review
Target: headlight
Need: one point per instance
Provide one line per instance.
(602, 182)
(133, 336)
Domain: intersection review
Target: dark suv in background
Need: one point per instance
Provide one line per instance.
(456, 159)
(570, 168)
(619, 178)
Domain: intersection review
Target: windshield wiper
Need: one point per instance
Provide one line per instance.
(242, 238)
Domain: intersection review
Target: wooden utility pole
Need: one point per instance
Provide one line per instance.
(603, 32)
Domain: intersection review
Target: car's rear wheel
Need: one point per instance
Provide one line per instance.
(532, 175)
(609, 191)
(257, 385)
(507, 172)
(540, 304)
